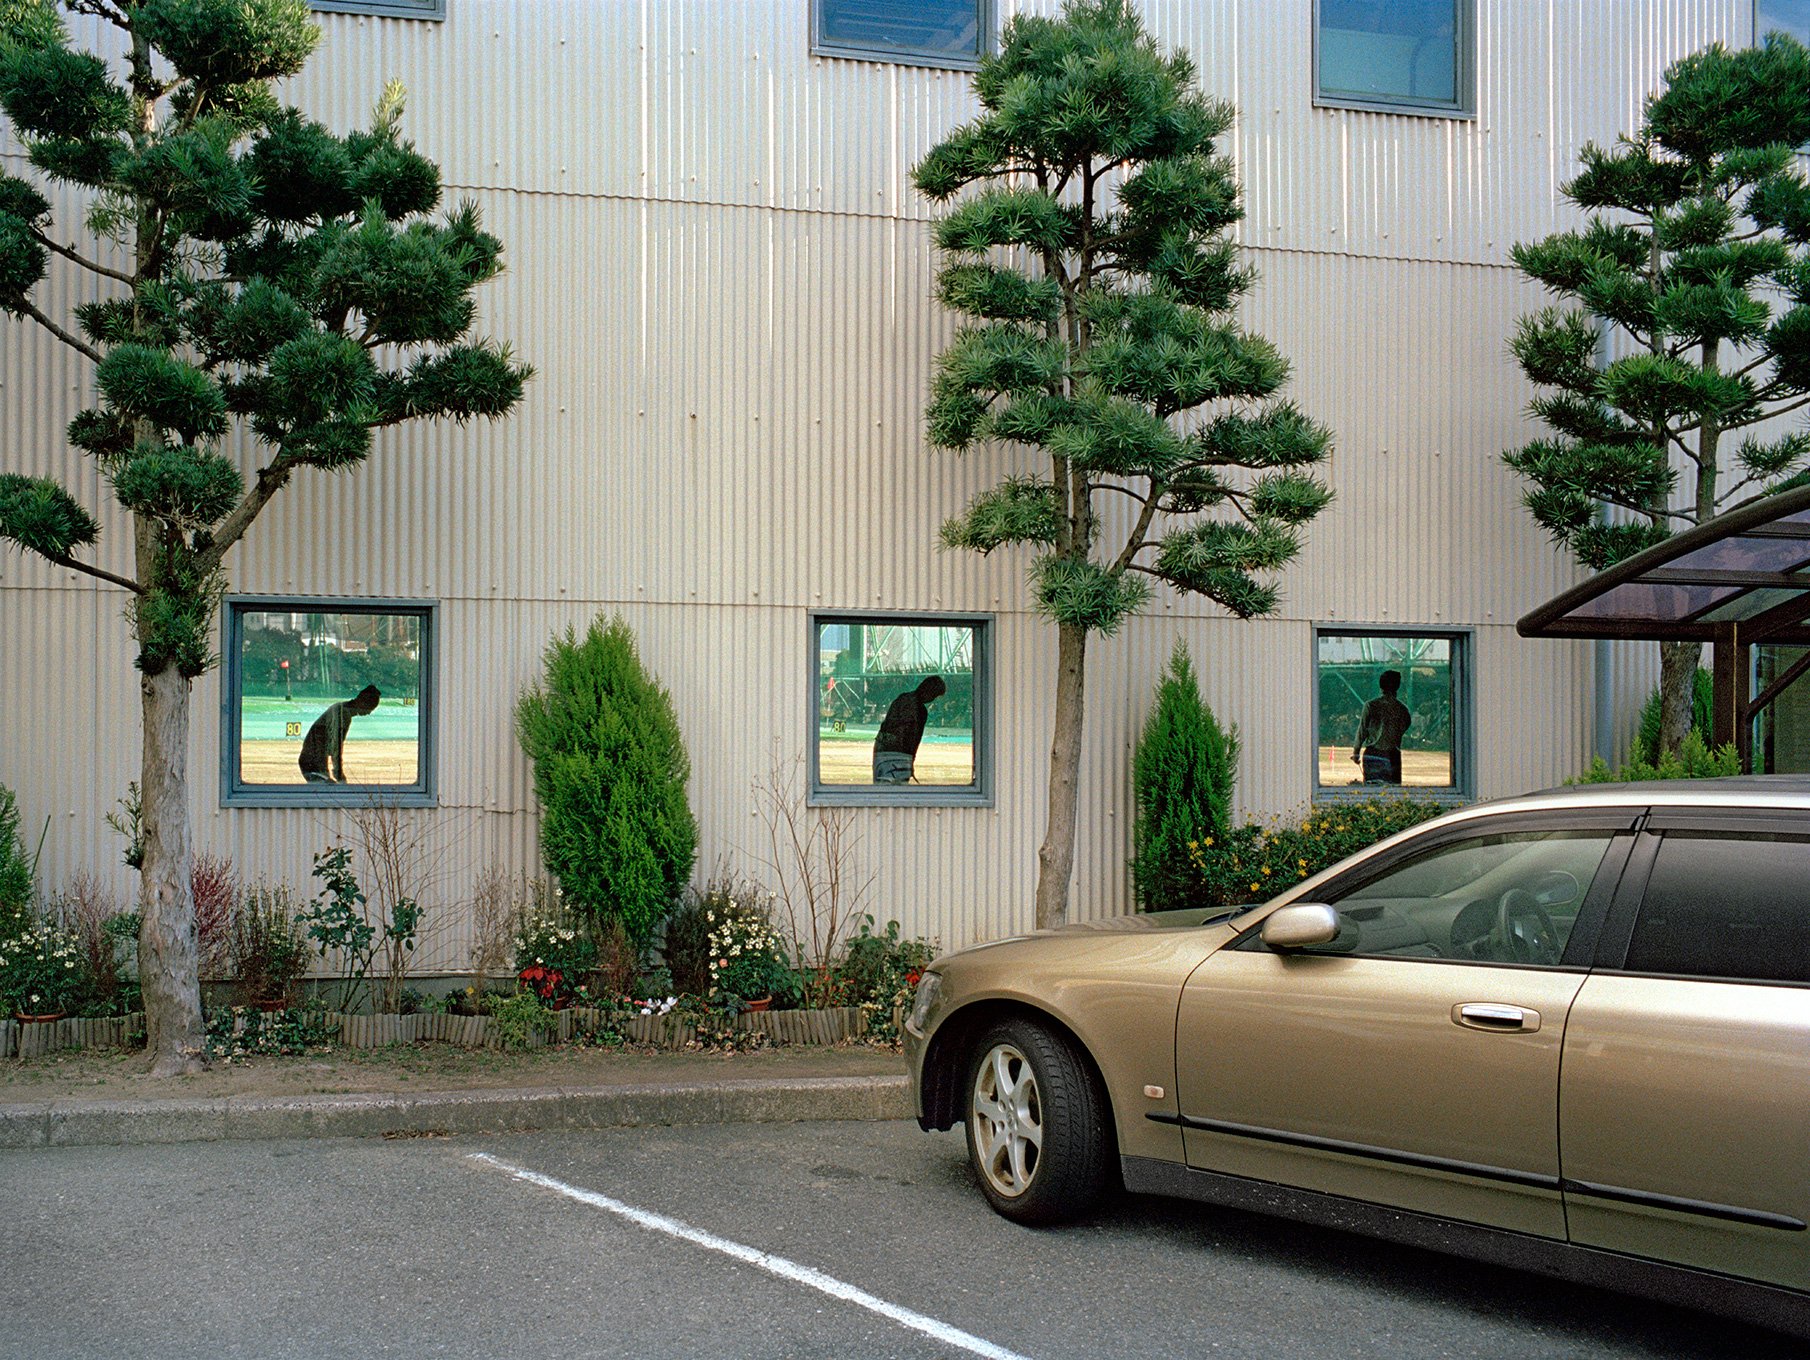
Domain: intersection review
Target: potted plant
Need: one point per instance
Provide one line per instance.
(269, 950)
(40, 973)
(553, 958)
(746, 960)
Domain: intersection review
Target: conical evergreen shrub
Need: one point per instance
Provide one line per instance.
(1183, 774)
(610, 772)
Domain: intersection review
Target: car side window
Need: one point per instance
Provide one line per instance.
(1726, 905)
(1509, 898)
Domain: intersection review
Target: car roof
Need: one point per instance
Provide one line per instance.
(1780, 792)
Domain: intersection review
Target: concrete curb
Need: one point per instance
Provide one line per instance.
(89, 1123)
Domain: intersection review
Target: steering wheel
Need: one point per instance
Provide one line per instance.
(1524, 933)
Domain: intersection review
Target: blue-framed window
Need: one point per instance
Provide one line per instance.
(1790, 17)
(388, 9)
(953, 33)
(1393, 713)
(901, 709)
(1413, 56)
(327, 701)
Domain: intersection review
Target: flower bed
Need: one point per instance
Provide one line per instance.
(40, 1037)
(831, 1026)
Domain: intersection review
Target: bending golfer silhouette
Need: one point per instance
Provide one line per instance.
(896, 743)
(325, 744)
(1385, 719)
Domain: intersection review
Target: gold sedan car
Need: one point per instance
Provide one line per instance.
(1568, 1032)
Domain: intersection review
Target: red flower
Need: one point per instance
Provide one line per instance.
(913, 978)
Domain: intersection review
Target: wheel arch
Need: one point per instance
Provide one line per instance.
(945, 1060)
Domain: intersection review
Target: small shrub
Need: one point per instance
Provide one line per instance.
(815, 857)
(519, 1018)
(129, 822)
(686, 946)
(1694, 760)
(337, 922)
(712, 1022)
(41, 971)
(610, 772)
(618, 962)
(235, 1033)
(269, 949)
(882, 973)
(746, 958)
(109, 939)
(216, 889)
(1253, 862)
(16, 869)
(554, 956)
(1183, 775)
(501, 903)
(1703, 717)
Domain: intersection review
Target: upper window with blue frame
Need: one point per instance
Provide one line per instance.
(1414, 56)
(387, 9)
(952, 33)
(1790, 17)
(327, 702)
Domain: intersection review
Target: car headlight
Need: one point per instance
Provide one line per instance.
(930, 987)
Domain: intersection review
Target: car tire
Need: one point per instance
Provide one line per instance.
(1036, 1124)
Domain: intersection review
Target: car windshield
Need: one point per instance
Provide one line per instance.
(1487, 865)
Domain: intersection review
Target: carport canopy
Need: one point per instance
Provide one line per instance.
(1738, 580)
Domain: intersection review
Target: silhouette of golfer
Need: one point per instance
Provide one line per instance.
(325, 743)
(896, 743)
(1379, 736)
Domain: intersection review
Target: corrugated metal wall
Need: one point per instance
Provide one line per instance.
(718, 267)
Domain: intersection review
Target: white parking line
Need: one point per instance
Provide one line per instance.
(773, 1265)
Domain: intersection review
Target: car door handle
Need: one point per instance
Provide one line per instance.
(1496, 1015)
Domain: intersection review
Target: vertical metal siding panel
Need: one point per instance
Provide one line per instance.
(726, 426)
(708, 90)
(556, 78)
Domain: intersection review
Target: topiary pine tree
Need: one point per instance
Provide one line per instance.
(1695, 251)
(1183, 773)
(610, 771)
(1094, 261)
(283, 294)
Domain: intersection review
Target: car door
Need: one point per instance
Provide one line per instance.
(1414, 1060)
(1685, 1099)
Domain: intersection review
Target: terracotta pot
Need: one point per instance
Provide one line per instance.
(48, 1017)
(271, 1003)
(760, 1003)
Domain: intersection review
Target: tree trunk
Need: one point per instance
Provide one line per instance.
(166, 940)
(1677, 690)
(1056, 857)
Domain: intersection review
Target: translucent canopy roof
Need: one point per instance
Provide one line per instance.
(1749, 567)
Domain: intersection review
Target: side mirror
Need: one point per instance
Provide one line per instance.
(1301, 924)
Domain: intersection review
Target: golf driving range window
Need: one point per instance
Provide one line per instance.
(1392, 713)
(901, 709)
(327, 701)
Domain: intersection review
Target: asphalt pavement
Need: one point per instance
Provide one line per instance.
(830, 1238)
